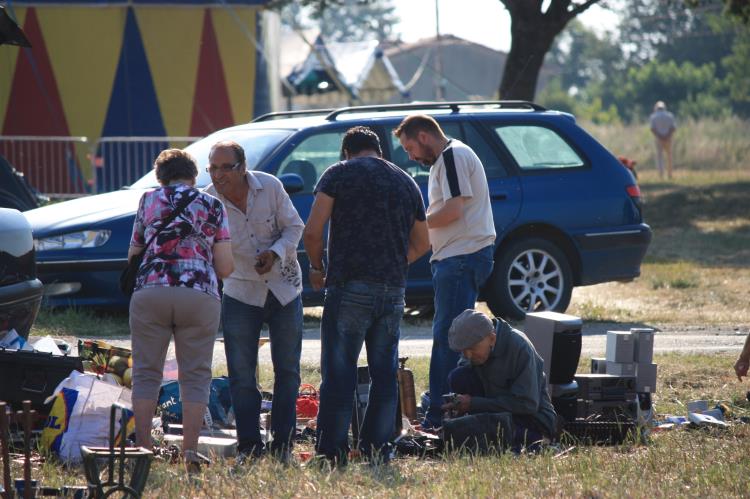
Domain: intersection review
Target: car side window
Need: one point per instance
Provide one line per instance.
(312, 156)
(492, 166)
(536, 147)
(419, 172)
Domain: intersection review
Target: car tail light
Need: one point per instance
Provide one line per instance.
(634, 192)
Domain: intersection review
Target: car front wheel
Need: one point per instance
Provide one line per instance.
(531, 275)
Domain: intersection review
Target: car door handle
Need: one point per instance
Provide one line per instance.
(500, 196)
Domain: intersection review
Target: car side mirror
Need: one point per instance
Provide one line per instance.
(292, 182)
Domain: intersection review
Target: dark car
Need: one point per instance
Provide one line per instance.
(20, 290)
(566, 211)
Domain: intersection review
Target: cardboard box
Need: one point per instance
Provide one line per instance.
(620, 346)
(646, 378)
(209, 446)
(643, 348)
(176, 429)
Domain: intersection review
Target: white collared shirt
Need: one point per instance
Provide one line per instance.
(270, 221)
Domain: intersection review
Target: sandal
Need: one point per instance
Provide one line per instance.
(194, 461)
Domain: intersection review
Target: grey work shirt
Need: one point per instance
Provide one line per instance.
(269, 222)
(513, 379)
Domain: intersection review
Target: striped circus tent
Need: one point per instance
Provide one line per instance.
(135, 68)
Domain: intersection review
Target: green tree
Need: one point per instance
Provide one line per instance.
(674, 30)
(739, 9)
(584, 57)
(342, 20)
(692, 91)
(737, 67)
(534, 25)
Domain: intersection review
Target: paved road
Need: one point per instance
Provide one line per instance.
(416, 341)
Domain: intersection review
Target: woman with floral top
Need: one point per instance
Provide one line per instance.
(176, 294)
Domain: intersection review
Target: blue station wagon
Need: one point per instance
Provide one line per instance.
(567, 213)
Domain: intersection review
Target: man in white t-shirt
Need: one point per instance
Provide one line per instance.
(462, 235)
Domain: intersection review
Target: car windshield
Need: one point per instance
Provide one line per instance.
(257, 145)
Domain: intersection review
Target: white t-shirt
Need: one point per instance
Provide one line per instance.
(459, 172)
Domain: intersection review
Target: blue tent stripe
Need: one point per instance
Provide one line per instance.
(133, 106)
(133, 111)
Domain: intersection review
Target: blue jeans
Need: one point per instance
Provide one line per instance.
(456, 281)
(242, 324)
(526, 430)
(356, 313)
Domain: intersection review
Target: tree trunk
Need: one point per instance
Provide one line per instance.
(531, 38)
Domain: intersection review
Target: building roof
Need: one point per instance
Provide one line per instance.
(458, 68)
(348, 62)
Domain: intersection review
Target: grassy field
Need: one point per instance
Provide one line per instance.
(696, 270)
(682, 462)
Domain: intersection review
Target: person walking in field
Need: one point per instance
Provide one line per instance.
(663, 126)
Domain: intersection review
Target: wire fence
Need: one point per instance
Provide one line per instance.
(65, 167)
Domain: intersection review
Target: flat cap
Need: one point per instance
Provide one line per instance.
(468, 328)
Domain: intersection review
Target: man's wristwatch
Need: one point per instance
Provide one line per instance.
(316, 270)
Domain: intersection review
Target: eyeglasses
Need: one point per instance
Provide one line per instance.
(226, 167)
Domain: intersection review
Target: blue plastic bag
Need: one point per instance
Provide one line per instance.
(219, 402)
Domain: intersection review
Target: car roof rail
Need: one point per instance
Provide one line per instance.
(454, 106)
(287, 114)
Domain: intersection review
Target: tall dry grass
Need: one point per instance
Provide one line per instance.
(704, 145)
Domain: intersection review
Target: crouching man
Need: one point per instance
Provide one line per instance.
(501, 392)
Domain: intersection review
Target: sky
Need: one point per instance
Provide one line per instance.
(486, 21)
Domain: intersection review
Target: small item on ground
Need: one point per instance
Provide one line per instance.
(12, 340)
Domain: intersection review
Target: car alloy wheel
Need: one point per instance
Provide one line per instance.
(535, 281)
(530, 275)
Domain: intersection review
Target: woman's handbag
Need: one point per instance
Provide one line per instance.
(130, 272)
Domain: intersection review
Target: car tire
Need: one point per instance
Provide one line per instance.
(529, 269)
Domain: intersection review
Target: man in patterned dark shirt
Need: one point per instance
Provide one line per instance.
(377, 228)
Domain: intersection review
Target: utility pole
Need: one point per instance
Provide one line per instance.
(439, 80)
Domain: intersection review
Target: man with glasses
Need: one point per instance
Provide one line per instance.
(265, 287)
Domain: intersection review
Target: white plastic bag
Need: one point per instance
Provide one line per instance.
(47, 344)
(80, 415)
(12, 340)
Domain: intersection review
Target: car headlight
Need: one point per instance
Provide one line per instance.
(73, 240)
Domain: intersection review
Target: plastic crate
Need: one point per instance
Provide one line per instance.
(33, 376)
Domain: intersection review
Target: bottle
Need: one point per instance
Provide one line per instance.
(406, 391)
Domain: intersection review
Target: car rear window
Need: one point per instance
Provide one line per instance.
(537, 147)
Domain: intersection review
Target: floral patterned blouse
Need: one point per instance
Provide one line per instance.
(181, 255)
